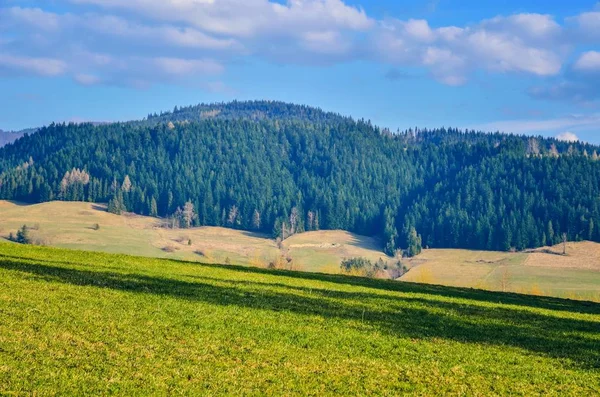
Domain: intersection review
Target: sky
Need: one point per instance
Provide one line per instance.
(526, 67)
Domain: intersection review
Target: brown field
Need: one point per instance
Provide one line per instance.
(541, 272)
(71, 225)
(580, 255)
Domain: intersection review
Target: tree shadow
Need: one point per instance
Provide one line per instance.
(540, 302)
(407, 317)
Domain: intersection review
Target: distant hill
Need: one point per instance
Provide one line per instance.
(7, 137)
(281, 169)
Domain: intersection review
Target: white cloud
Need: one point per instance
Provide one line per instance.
(198, 37)
(87, 79)
(587, 25)
(588, 62)
(181, 67)
(525, 43)
(32, 16)
(572, 122)
(244, 18)
(39, 66)
(567, 137)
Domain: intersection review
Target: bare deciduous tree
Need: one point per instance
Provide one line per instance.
(256, 221)
(126, 186)
(533, 147)
(188, 214)
(294, 217)
(310, 220)
(233, 215)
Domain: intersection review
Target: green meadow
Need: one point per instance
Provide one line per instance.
(83, 323)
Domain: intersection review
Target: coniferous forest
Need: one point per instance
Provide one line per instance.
(283, 169)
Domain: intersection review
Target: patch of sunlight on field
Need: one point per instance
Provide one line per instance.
(89, 323)
(71, 225)
(537, 274)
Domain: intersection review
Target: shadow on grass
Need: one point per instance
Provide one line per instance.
(412, 317)
(540, 302)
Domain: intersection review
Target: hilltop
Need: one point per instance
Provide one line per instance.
(282, 169)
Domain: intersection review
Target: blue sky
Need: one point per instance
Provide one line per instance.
(529, 67)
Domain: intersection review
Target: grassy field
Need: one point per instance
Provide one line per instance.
(70, 225)
(542, 272)
(74, 323)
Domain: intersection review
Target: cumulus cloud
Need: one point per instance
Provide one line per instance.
(106, 41)
(586, 26)
(567, 137)
(526, 43)
(588, 62)
(580, 83)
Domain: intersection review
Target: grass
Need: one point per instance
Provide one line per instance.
(70, 225)
(74, 323)
(575, 276)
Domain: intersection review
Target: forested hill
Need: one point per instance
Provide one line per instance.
(7, 137)
(251, 110)
(283, 169)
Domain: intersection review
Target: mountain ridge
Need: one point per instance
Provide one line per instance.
(282, 168)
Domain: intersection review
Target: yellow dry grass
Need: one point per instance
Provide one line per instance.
(71, 225)
(580, 255)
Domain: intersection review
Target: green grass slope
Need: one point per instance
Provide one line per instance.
(74, 323)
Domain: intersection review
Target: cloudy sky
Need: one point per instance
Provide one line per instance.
(532, 67)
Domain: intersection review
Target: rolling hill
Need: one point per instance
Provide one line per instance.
(75, 323)
(280, 169)
(540, 272)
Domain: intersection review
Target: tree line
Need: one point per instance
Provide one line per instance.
(284, 169)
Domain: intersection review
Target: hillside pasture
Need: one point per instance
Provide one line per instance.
(86, 323)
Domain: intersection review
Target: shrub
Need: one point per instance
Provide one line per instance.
(23, 235)
(361, 266)
(96, 227)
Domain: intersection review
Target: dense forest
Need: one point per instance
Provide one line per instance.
(283, 169)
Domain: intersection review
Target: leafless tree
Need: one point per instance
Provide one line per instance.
(188, 214)
(233, 215)
(294, 217)
(126, 186)
(256, 222)
(533, 147)
(310, 220)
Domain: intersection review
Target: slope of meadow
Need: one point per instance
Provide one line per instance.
(540, 272)
(71, 225)
(83, 323)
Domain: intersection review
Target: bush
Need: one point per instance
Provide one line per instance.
(361, 266)
(96, 227)
(23, 235)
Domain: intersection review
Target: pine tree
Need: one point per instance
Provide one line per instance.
(23, 235)
(153, 207)
(414, 243)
